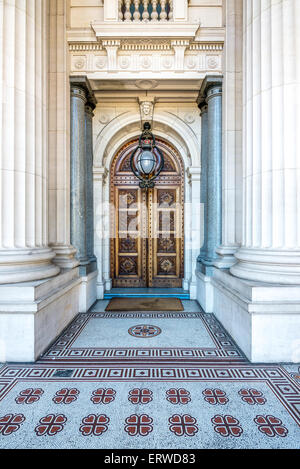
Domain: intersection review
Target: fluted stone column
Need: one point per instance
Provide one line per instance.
(89, 181)
(271, 181)
(211, 93)
(24, 252)
(59, 138)
(203, 187)
(232, 199)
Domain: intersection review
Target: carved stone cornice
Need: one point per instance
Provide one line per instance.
(119, 30)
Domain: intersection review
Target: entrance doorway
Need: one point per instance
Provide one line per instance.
(147, 226)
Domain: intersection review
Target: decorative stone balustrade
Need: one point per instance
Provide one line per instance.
(145, 10)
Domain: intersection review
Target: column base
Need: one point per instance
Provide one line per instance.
(88, 291)
(268, 265)
(263, 319)
(227, 257)
(87, 269)
(26, 265)
(204, 292)
(65, 256)
(205, 267)
(100, 290)
(33, 315)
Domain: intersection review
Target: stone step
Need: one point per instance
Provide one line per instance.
(147, 293)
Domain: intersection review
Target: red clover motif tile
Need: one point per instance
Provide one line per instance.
(178, 396)
(182, 425)
(94, 425)
(271, 426)
(252, 396)
(51, 425)
(215, 396)
(138, 425)
(29, 396)
(226, 425)
(11, 423)
(66, 396)
(103, 396)
(140, 396)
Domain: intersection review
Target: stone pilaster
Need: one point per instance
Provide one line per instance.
(24, 252)
(270, 250)
(195, 213)
(211, 93)
(99, 176)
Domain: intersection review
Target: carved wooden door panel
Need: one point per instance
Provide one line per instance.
(130, 239)
(165, 237)
(147, 226)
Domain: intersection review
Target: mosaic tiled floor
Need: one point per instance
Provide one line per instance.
(100, 386)
(183, 337)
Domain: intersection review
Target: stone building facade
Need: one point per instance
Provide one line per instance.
(219, 80)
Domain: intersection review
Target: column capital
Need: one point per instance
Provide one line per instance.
(78, 92)
(213, 91)
(210, 82)
(83, 83)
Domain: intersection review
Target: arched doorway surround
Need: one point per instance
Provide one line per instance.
(107, 143)
(147, 226)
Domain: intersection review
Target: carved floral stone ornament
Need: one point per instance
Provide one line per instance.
(147, 160)
(79, 64)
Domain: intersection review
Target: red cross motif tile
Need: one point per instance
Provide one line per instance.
(140, 396)
(215, 396)
(66, 396)
(11, 423)
(252, 396)
(271, 426)
(178, 396)
(183, 425)
(51, 425)
(138, 425)
(29, 396)
(94, 425)
(226, 425)
(103, 396)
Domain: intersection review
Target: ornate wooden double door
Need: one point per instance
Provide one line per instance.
(147, 232)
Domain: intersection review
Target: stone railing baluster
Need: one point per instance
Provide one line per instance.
(127, 14)
(154, 14)
(170, 18)
(136, 14)
(146, 12)
(163, 14)
(161, 10)
(121, 16)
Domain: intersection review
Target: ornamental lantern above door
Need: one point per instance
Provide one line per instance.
(147, 160)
